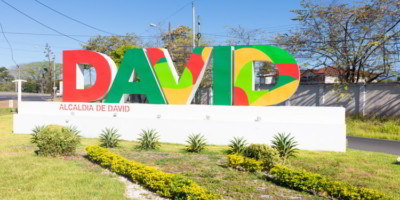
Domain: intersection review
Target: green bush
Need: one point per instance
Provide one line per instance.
(264, 153)
(109, 137)
(168, 185)
(307, 181)
(54, 140)
(256, 151)
(237, 145)
(285, 144)
(149, 139)
(196, 143)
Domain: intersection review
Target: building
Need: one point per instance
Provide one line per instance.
(327, 75)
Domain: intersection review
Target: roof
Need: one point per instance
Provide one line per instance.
(330, 71)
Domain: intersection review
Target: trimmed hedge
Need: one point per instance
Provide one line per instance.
(240, 162)
(166, 184)
(307, 181)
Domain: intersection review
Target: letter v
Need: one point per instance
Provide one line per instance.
(179, 90)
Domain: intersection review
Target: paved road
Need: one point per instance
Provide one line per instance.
(25, 96)
(376, 145)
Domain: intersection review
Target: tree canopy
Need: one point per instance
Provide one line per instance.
(5, 80)
(109, 44)
(359, 39)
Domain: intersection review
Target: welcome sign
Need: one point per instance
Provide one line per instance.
(232, 72)
(150, 71)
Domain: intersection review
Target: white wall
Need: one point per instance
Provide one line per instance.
(315, 128)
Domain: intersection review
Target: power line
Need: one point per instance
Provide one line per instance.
(11, 50)
(177, 11)
(72, 35)
(33, 19)
(73, 19)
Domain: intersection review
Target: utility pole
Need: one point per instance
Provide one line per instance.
(194, 24)
(54, 76)
(169, 32)
(198, 35)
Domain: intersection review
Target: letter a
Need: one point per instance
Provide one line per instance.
(135, 60)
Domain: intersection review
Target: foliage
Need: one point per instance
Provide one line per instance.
(74, 130)
(167, 185)
(243, 36)
(285, 145)
(196, 143)
(179, 43)
(109, 137)
(149, 139)
(54, 140)
(267, 155)
(38, 75)
(50, 77)
(35, 132)
(356, 39)
(237, 145)
(243, 163)
(109, 44)
(256, 151)
(5, 80)
(117, 55)
(307, 181)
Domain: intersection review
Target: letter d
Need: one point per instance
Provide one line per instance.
(74, 79)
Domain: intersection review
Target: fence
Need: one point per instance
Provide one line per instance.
(372, 99)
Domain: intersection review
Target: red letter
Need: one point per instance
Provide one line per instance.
(73, 87)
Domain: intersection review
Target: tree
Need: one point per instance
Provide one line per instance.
(108, 44)
(49, 78)
(37, 76)
(359, 40)
(179, 43)
(117, 55)
(5, 80)
(112, 46)
(242, 36)
(5, 75)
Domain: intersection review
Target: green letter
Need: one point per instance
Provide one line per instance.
(135, 59)
(222, 75)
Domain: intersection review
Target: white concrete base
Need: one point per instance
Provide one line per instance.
(314, 128)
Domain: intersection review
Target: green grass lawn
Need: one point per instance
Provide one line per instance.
(360, 168)
(24, 175)
(374, 127)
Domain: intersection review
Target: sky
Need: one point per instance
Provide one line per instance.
(28, 38)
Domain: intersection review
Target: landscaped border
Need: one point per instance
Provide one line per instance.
(166, 184)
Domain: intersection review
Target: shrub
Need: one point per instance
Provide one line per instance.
(196, 143)
(168, 185)
(74, 130)
(235, 160)
(149, 139)
(54, 140)
(237, 145)
(109, 137)
(267, 155)
(35, 133)
(243, 163)
(285, 144)
(306, 181)
(255, 151)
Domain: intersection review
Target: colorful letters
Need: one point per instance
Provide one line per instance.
(151, 72)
